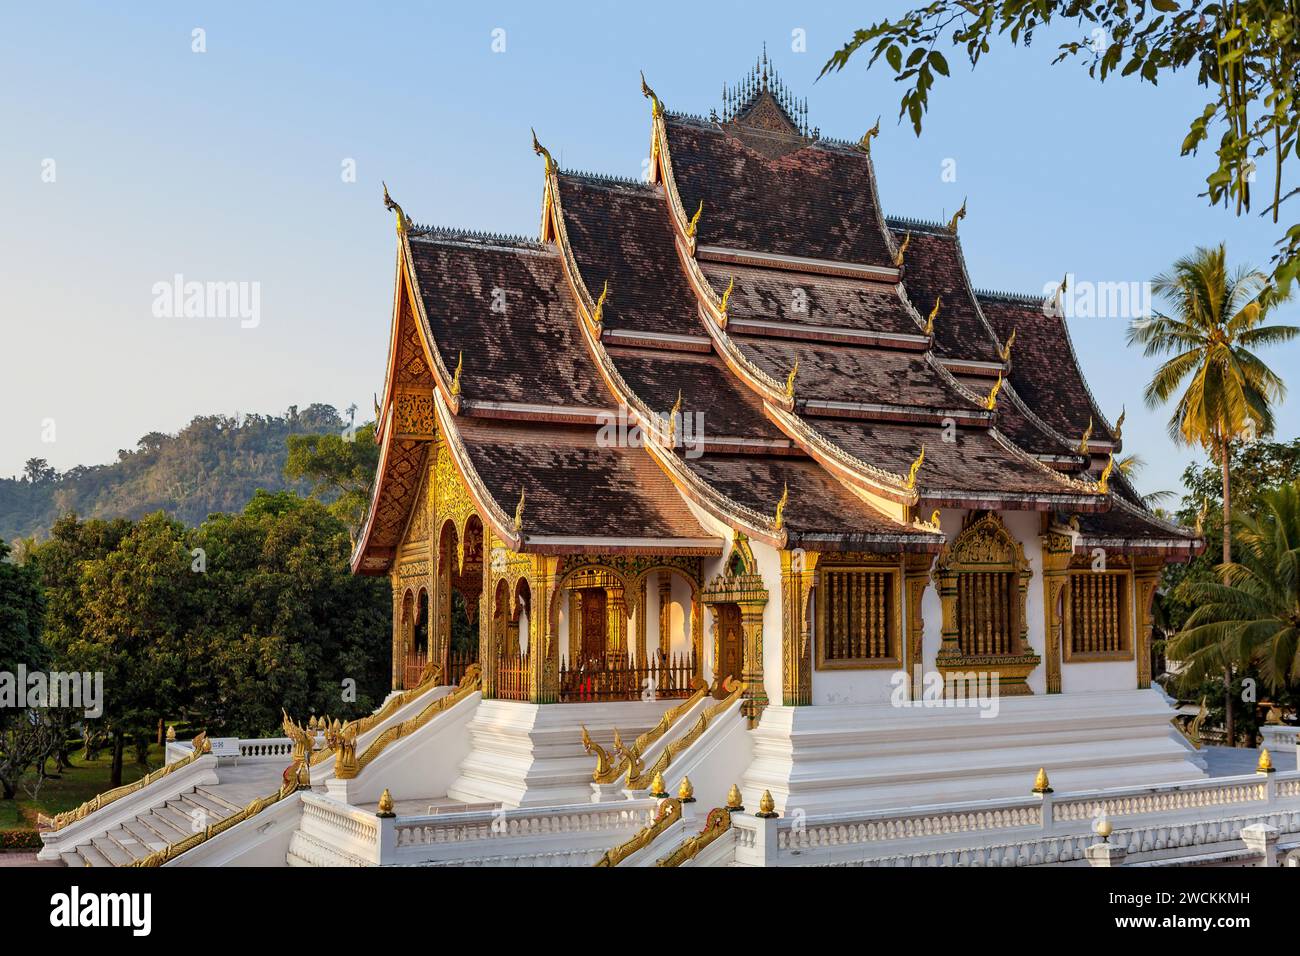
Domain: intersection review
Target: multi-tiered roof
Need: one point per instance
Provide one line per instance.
(754, 279)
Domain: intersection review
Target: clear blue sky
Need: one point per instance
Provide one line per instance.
(226, 166)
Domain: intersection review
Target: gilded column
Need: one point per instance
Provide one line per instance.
(916, 578)
(1146, 578)
(398, 650)
(615, 623)
(543, 642)
(798, 575)
(751, 622)
(488, 636)
(665, 612)
(641, 625)
(1058, 548)
(574, 655)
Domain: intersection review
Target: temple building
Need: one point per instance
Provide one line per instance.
(728, 490)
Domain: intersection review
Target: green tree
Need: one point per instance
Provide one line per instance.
(340, 469)
(1253, 613)
(1245, 53)
(22, 614)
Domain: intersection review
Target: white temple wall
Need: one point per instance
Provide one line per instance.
(1024, 526)
(768, 559)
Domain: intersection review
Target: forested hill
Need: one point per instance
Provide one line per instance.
(214, 463)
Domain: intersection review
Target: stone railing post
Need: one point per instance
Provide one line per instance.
(1261, 838)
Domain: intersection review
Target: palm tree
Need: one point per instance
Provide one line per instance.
(1253, 614)
(1218, 320)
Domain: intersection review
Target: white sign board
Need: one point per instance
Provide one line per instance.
(225, 746)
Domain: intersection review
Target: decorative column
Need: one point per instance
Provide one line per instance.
(916, 578)
(543, 641)
(615, 623)
(641, 625)
(489, 640)
(1058, 549)
(440, 635)
(399, 652)
(1146, 578)
(798, 576)
(751, 622)
(665, 612)
(575, 627)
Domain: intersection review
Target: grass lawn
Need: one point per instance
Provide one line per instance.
(77, 784)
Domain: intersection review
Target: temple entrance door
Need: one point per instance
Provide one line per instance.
(594, 621)
(731, 643)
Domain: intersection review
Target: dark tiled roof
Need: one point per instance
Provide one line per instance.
(1025, 432)
(1044, 369)
(814, 201)
(849, 373)
(531, 353)
(620, 232)
(812, 300)
(574, 486)
(818, 504)
(974, 463)
(933, 267)
(730, 410)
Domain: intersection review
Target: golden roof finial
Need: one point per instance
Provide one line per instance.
(780, 507)
(686, 791)
(1087, 437)
(656, 107)
(1006, 349)
(657, 786)
(789, 380)
(1041, 784)
(902, 250)
(733, 799)
(1118, 430)
(869, 135)
(672, 418)
(375, 398)
(694, 224)
(766, 806)
(958, 215)
(726, 300)
(171, 733)
(541, 150)
(598, 314)
(1265, 764)
(1103, 483)
(402, 221)
(934, 520)
(934, 314)
(385, 805)
(519, 511)
(991, 402)
(455, 380)
(915, 468)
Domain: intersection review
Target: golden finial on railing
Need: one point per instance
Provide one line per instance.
(902, 250)
(1087, 437)
(915, 468)
(934, 314)
(991, 401)
(694, 224)
(385, 809)
(657, 786)
(1006, 349)
(868, 136)
(656, 107)
(1104, 829)
(598, 314)
(766, 806)
(726, 301)
(455, 379)
(686, 791)
(780, 507)
(733, 799)
(1265, 764)
(171, 733)
(958, 215)
(789, 380)
(1041, 784)
(1103, 483)
(519, 510)
(541, 150)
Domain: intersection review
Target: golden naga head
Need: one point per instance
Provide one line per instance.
(789, 380)
(869, 135)
(693, 226)
(726, 300)
(656, 107)
(1103, 483)
(934, 314)
(991, 402)
(780, 507)
(598, 315)
(915, 468)
(402, 222)
(541, 150)
(1087, 437)
(902, 250)
(455, 382)
(1006, 349)
(956, 217)
(519, 511)
(1119, 423)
